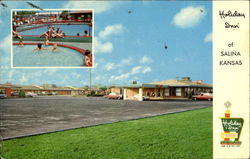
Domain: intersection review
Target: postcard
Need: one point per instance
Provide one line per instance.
(124, 79)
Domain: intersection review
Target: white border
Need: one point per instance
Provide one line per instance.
(39, 67)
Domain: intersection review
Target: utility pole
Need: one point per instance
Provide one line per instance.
(90, 82)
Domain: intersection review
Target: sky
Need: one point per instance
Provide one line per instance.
(127, 46)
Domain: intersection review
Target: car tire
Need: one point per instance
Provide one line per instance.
(194, 98)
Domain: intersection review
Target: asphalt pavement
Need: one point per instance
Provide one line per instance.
(30, 116)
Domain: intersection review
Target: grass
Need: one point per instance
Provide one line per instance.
(186, 135)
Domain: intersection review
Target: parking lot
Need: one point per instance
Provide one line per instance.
(28, 116)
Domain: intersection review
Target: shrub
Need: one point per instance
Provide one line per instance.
(21, 93)
(190, 94)
(92, 93)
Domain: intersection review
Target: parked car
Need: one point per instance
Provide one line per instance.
(113, 96)
(30, 94)
(143, 97)
(52, 93)
(15, 94)
(2, 96)
(203, 96)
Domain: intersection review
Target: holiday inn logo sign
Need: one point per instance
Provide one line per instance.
(232, 129)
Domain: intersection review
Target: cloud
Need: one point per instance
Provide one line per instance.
(23, 79)
(136, 70)
(133, 71)
(189, 17)
(208, 37)
(97, 78)
(126, 61)
(98, 6)
(109, 30)
(146, 69)
(120, 77)
(101, 43)
(145, 60)
(140, 69)
(109, 66)
(5, 44)
(178, 59)
(103, 47)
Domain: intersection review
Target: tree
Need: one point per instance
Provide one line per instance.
(104, 88)
(21, 93)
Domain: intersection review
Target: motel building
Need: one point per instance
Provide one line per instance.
(7, 88)
(168, 89)
(10, 89)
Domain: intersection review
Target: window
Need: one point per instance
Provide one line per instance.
(166, 92)
(178, 92)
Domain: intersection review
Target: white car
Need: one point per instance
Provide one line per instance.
(113, 96)
(30, 94)
(143, 97)
(2, 96)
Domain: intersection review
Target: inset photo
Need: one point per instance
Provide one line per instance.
(52, 38)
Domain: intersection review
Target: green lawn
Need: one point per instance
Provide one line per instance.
(185, 135)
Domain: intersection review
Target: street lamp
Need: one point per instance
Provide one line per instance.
(90, 82)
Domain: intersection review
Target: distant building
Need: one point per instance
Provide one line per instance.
(9, 89)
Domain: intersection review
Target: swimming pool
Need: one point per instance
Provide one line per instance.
(25, 57)
(67, 29)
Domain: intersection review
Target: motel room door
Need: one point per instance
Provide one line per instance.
(172, 91)
(158, 92)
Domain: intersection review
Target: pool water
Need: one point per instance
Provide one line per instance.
(67, 29)
(65, 57)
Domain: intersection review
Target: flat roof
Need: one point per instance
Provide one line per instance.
(167, 84)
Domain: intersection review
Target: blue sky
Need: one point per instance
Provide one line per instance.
(128, 47)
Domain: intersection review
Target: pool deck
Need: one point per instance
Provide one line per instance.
(79, 39)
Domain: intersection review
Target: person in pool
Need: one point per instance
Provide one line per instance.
(46, 42)
(59, 33)
(16, 35)
(88, 58)
(55, 48)
(86, 33)
(45, 34)
(20, 43)
(39, 47)
(50, 33)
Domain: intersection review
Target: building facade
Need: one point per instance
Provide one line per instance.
(168, 89)
(10, 89)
